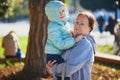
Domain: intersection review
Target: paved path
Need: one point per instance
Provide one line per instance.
(104, 38)
(22, 29)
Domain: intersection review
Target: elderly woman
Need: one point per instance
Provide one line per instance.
(80, 58)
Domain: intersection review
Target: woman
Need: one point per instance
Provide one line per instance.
(80, 58)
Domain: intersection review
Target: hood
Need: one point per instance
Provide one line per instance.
(52, 11)
(92, 41)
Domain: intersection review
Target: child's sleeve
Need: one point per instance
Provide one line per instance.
(55, 36)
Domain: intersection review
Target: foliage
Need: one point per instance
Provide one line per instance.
(99, 71)
(4, 8)
(9, 63)
(21, 8)
(104, 72)
(98, 4)
(10, 8)
(68, 3)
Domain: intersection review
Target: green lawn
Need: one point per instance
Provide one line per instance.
(23, 45)
(105, 49)
(24, 41)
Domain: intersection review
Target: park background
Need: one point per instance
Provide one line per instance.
(16, 17)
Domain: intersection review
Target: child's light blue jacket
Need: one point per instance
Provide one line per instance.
(59, 38)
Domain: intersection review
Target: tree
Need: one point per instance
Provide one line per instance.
(35, 66)
(12, 8)
(98, 4)
(77, 6)
(4, 8)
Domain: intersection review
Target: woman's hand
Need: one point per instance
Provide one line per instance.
(51, 63)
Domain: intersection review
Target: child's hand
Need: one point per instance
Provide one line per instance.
(78, 38)
(72, 33)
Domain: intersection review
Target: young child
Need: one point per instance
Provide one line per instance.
(59, 32)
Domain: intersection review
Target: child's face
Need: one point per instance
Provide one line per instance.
(81, 25)
(62, 13)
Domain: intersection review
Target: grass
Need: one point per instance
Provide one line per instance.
(105, 49)
(23, 45)
(1, 49)
(24, 41)
(100, 68)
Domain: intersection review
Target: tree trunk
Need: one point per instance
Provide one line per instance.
(77, 6)
(35, 63)
(35, 66)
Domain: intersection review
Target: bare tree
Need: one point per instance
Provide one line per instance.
(77, 6)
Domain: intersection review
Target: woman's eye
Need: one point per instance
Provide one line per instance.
(81, 23)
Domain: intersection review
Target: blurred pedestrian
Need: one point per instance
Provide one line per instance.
(111, 24)
(101, 22)
(117, 39)
(11, 45)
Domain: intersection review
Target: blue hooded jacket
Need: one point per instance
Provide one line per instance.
(59, 37)
(78, 60)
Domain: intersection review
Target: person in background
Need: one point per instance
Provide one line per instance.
(101, 22)
(80, 58)
(111, 24)
(11, 45)
(117, 39)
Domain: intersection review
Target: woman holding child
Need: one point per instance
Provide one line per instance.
(80, 58)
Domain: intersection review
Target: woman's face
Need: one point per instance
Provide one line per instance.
(81, 25)
(62, 13)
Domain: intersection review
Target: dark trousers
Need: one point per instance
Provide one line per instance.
(66, 78)
(52, 57)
